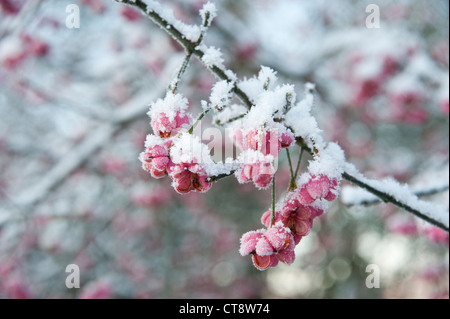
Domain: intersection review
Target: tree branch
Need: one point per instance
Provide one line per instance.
(376, 200)
(188, 45)
(410, 202)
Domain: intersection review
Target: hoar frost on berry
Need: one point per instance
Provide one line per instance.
(296, 213)
(189, 155)
(269, 246)
(318, 187)
(268, 141)
(257, 168)
(155, 159)
(168, 116)
(172, 150)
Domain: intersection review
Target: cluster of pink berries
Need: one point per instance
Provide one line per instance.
(163, 155)
(173, 151)
(187, 176)
(260, 147)
(288, 224)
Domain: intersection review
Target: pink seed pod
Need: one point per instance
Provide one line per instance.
(266, 141)
(298, 218)
(165, 127)
(249, 241)
(278, 236)
(156, 161)
(268, 247)
(266, 218)
(287, 254)
(261, 173)
(286, 139)
(264, 247)
(189, 178)
(246, 173)
(318, 187)
(264, 262)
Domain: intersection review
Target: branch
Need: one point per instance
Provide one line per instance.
(151, 10)
(188, 45)
(371, 199)
(401, 196)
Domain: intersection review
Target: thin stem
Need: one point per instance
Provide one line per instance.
(189, 53)
(298, 163)
(231, 119)
(272, 218)
(202, 115)
(290, 162)
(174, 86)
(292, 185)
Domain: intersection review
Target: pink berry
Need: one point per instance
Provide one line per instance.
(156, 161)
(249, 241)
(189, 178)
(165, 127)
(318, 187)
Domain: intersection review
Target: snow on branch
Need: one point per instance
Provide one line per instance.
(391, 191)
(209, 54)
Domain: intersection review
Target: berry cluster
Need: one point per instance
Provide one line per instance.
(161, 157)
(290, 222)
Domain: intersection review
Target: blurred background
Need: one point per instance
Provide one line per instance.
(73, 121)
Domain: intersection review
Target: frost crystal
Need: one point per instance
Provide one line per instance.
(170, 105)
(188, 148)
(190, 32)
(212, 57)
(221, 94)
(208, 9)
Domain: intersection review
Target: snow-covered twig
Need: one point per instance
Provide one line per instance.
(210, 57)
(355, 196)
(390, 191)
(155, 12)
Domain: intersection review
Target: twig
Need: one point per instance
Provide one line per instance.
(174, 85)
(391, 199)
(188, 45)
(272, 215)
(218, 177)
(424, 193)
(202, 115)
